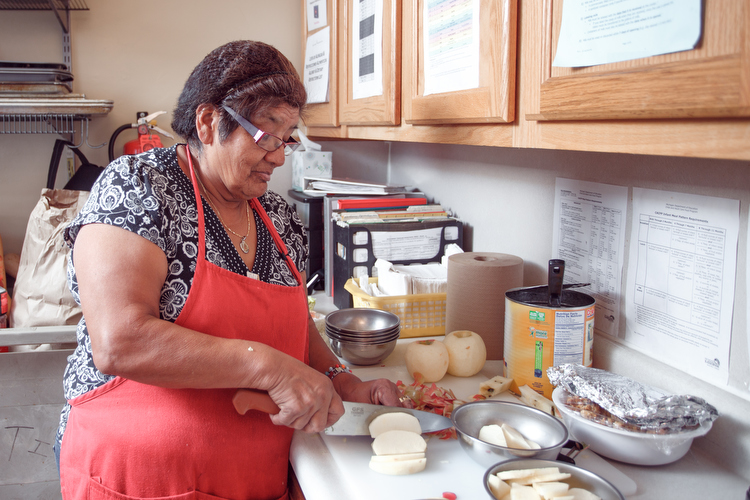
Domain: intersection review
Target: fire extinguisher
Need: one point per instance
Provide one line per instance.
(146, 141)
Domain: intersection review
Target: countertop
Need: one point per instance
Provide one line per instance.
(337, 467)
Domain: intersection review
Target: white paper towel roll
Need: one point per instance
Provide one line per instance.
(477, 282)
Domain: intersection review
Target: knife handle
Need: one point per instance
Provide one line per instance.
(250, 399)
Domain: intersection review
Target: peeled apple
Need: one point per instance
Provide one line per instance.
(466, 351)
(429, 358)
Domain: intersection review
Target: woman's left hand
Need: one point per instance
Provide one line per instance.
(379, 391)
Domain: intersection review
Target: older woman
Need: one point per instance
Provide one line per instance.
(185, 302)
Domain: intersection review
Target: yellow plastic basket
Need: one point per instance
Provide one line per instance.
(421, 315)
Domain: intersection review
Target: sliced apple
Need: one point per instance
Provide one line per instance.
(398, 467)
(396, 458)
(494, 386)
(397, 442)
(541, 478)
(516, 440)
(517, 474)
(394, 421)
(581, 494)
(551, 490)
(533, 398)
(493, 434)
(518, 492)
(498, 487)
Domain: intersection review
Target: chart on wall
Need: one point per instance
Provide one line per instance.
(681, 278)
(588, 234)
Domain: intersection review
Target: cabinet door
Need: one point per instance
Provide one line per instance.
(708, 81)
(325, 114)
(493, 101)
(383, 109)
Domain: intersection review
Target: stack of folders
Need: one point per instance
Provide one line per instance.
(386, 209)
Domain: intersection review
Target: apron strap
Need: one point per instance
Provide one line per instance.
(255, 204)
(276, 238)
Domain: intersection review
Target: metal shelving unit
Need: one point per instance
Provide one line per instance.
(61, 9)
(36, 107)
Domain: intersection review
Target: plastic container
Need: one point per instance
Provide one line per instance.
(421, 315)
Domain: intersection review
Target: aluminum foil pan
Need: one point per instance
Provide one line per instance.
(647, 408)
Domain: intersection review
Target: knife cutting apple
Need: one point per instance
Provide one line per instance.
(354, 422)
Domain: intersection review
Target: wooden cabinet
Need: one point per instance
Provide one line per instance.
(383, 109)
(693, 103)
(493, 101)
(325, 114)
(708, 81)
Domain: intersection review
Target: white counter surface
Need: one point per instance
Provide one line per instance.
(337, 467)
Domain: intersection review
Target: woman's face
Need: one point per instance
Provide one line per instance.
(243, 167)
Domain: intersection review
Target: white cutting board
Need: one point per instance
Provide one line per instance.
(448, 468)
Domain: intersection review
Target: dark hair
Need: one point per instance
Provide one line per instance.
(247, 76)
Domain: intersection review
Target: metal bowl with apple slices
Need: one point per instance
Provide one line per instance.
(579, 478)
(544, 429)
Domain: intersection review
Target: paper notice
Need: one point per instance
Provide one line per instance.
(420, 244)
(606, 31)
(317, 63)
(367, 48)
(680, 287)
(451, 45)
(588, 234)
(317, 15)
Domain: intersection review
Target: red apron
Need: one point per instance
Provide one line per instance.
(127, 440)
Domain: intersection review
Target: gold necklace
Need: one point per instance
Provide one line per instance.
(243, 244)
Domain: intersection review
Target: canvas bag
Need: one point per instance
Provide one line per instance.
(40, 295)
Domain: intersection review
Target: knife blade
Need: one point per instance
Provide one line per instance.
(354, 422)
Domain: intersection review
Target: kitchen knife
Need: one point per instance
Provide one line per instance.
(354, 422)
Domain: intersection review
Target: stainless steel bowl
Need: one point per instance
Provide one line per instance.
(358, 353)
(549, 432)
(579, 478)
(362, 320)
(363, 336)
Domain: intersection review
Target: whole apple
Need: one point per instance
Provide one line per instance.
(466, 351)
(427, 357)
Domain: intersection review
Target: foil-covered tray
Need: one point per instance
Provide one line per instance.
(643, 407)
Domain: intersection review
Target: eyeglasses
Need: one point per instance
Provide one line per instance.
(266, 141)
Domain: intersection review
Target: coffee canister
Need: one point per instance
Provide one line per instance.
(547, 326)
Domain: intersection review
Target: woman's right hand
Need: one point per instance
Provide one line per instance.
(306, 398)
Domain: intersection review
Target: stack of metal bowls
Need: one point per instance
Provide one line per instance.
(362, 336)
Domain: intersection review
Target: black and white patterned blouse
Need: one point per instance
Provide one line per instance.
(150, 195)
